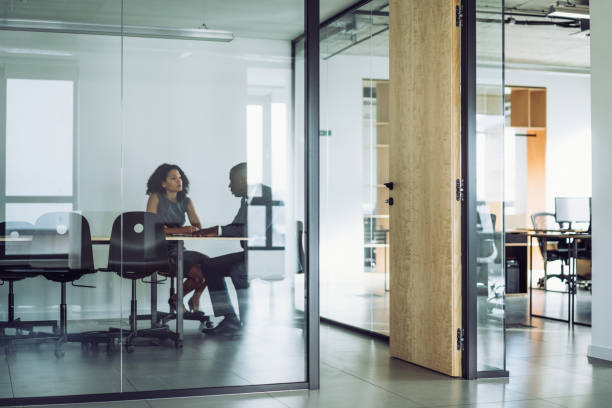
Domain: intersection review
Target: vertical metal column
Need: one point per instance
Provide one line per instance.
(468, 170)
(311, 103)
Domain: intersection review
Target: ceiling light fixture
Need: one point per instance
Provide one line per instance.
(199, 34)
(574, 12)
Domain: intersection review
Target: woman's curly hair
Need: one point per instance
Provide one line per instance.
(154, 185)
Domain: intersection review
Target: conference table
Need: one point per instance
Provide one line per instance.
(179, 240)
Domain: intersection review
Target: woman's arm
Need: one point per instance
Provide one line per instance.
(193, 216)
(152, 203)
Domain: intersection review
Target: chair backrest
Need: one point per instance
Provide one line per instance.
(15, 249)
(61, 245)
(138, 246)
(544, 221)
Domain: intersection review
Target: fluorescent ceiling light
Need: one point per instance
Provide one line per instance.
(35, 51)
(109, 29)
(576, 12)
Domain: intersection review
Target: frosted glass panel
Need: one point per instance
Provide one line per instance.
(39, 130)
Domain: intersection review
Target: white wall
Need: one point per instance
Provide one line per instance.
(601, 63)
(342, 175)
(568, 131)
(176, 101)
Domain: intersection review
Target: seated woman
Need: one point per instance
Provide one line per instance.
(167, 189)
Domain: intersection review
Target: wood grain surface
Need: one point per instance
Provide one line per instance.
(425, 162)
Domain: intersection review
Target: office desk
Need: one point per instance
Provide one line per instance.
(573, 237)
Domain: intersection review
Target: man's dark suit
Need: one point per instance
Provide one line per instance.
(233, 265)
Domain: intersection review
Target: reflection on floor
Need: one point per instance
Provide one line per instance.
(548, 369)
(358, 300)
(555, 305)
(270, 349)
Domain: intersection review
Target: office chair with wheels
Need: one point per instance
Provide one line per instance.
(551, 249)
(15, 266)
(137, 250)
(62, 252)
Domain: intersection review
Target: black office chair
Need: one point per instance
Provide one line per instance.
(138, 249)
(551, 249)
(15, 266)
(62, 252)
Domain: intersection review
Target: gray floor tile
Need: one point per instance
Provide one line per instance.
(454, 391)
(584, 401)
(339, 389)
(562, 384)
(229, 401)
(537, 403)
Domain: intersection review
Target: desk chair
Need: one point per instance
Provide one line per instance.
(489, 292)
(138, 249)
(62, 252)
(551, 249)
(15, 266)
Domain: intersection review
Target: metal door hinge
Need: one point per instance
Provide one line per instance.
(460, 339)
(459, 15)
(459, 189)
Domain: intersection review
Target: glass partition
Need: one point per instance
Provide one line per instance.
(489, 161)
(152, 197)
(354, 165)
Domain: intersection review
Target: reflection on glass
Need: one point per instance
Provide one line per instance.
(489, 189)
(89, 120)
(354, 148)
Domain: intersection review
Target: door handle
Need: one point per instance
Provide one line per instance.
(389, 185)
(389, 201)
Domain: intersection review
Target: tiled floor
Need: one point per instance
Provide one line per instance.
(548, 368)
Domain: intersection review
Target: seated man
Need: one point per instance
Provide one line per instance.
(233, 265)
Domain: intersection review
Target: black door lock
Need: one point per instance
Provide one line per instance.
(389, 201)
(389, 185)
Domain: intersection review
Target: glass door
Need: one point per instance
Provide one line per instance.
(483, 158)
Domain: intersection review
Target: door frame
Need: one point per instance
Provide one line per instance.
(469, 239)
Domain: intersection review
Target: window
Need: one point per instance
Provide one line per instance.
(40, 129)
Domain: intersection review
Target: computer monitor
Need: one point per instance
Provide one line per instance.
(573, 209)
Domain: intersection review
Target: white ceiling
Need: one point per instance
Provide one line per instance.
(272, 19)
(284, 20)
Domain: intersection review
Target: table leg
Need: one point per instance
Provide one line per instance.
(154, 299)
(574, 281)
(530, 275)
(179, 290)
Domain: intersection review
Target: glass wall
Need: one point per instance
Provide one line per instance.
(489, 186)
(95, 98)
(354, 165)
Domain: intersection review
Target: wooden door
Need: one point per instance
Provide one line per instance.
(425, 218)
